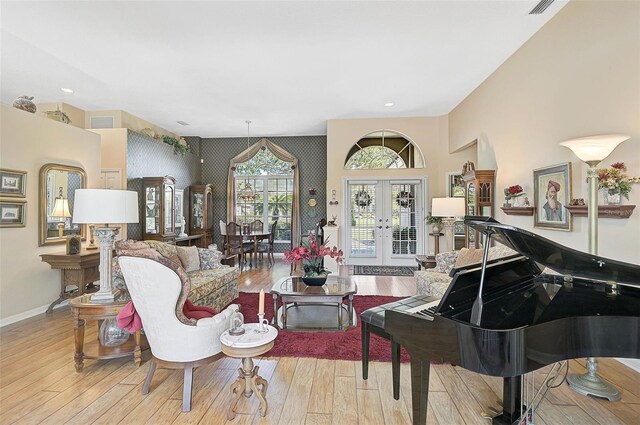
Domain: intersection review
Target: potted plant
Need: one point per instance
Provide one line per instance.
(616, 182)
(435, 222)
(311, 253)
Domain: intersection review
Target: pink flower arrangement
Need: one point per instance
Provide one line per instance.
(615, 180)
(311, 254)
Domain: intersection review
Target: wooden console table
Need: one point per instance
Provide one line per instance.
(82, 310)
(190, 240)
(78, 270)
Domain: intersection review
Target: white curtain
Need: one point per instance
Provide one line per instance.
(282, 155)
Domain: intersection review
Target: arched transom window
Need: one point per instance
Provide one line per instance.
(383, 149)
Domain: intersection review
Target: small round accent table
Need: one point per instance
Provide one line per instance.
(245, 347)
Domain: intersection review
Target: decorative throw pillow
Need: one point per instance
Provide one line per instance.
(165, 249)
(445, 261)
(197, 312)
(469, 256)
(189, 258)
(209, 259)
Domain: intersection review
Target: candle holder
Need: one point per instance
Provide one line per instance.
(263, 324)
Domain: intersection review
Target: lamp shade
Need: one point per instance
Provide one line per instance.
(105, 206)
(61, 208)
(447, 207)
(594, 148)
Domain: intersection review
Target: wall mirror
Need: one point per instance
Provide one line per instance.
(58, 184)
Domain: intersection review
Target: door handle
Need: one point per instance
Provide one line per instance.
(387, 227)
(380, 227)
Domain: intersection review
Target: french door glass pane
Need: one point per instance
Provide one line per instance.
(404, 219)
(363, 211)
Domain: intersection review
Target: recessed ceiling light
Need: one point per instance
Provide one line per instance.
(388, 104)
(182, 123)
(66, 90)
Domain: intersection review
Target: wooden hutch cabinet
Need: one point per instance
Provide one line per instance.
(158, 217)
(201, 212)
(479, 194)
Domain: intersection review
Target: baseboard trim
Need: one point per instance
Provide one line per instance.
(632, 363)
(30, 313)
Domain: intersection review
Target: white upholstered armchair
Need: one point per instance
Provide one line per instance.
(158, 294)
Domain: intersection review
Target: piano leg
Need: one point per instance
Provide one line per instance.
(365, 349)
(395, 368)
(511, 402)
(419, 390)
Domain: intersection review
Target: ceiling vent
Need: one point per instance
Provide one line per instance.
(182, 123)
(541, 7)
(102, 122)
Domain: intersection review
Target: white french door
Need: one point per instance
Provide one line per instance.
(384, 221)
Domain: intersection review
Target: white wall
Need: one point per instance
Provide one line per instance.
(578, 76)
(27, 142)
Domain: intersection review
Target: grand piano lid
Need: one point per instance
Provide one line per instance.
(558, 257)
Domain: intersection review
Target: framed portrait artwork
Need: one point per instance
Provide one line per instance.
(13, 183)
(12, 213)
(551, 192)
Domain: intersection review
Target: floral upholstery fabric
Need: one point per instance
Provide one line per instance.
(166, 250)
(434, 282)
(209, 259)
(215, 286)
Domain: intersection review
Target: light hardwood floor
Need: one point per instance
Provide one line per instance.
(38, 383)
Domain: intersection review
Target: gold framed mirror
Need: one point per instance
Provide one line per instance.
(58, 183)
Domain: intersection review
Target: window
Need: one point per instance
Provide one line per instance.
(272, 183)
(383, 149)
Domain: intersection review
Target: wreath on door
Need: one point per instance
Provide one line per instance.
(362, 198)
(404, 199)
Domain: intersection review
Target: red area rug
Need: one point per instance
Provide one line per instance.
(338, 345)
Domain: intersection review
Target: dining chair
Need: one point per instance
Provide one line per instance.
(235, 244)
(267, 247)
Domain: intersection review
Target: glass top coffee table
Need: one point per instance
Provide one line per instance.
(314, 308)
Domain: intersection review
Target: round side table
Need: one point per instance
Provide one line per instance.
(245, 347)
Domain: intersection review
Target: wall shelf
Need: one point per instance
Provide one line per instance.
(604, 211)
(518, 210)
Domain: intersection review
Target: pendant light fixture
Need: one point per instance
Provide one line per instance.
(247, 194)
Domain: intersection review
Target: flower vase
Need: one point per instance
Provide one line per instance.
(612, 197)
(315, 277)
(516, 202)
(110, 334)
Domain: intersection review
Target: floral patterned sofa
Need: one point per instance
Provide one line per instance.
(434, 282)
(214, 284)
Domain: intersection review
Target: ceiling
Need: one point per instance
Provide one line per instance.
(286, 66)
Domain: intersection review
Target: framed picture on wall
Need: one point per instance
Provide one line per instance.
(551, 192)
(13, 183)
(12, 213)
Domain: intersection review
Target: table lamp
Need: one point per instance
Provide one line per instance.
(108, 207)
(448, 209)
(592, 150)
(61, 210)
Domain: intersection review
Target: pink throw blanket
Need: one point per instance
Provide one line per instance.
(129, 320)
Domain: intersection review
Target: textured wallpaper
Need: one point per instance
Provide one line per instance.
(311, 152)
(147, 157)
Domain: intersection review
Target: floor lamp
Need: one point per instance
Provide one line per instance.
(448, 209)
(592, 150)
(109, 207)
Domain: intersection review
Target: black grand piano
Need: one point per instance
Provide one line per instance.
(506, 318)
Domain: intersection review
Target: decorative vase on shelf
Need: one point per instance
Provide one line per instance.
(516, 202)
(436, 227)
(110, 334)
(612, 196)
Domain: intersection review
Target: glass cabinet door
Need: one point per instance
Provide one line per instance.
(198, 208)
(209, 223)
(471, 210)
(168, 210)
(152, 209)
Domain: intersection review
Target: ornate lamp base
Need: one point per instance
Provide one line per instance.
(105, 236)
(590, 384)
